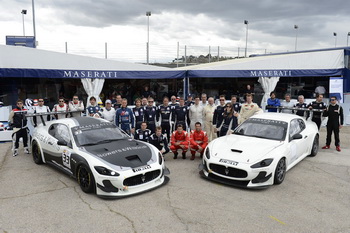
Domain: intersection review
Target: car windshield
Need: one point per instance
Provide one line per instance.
(263, 128)
(97, 134)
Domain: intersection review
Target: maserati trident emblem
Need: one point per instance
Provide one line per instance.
(227, 171)
(143, 178)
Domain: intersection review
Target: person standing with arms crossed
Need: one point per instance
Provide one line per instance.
(335, 122)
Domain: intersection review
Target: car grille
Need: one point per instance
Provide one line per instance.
(229, 171)
(239, 183)
(141, 179)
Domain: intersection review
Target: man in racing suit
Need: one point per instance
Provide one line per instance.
(248, 109)
(317, 105)
(218, 114)
(195, 113)
(179, 141)
(164, 114)
(198, 140)
(208, 114)
(300, 104)
(143, 133)
(108, 112)
(159, 140)
(60, 107)
(76, 105)
(18, 120)
(138, 111)
(181, 114)
(125, 118)
(41, 108)
(93, 109)
(150, 115)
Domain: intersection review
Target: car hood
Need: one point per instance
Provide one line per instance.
(242, 149)
(124, 153)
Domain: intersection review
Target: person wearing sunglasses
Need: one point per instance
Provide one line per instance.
(229, 121)
(335, 122)
(76, 105)
(60, 107)
(40, 108)
(150, 115)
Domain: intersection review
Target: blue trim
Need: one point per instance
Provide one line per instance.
(263, 73)
(106, 74)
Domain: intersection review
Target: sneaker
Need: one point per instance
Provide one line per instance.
(184, 155)
(325, 147)
(338, 148)
(15, 152)
(192, 157)
(26, 150)
(175, 155)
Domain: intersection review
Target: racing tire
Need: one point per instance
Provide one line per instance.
(280, 171)
(315, 146)
(36, 152)
(85, 179)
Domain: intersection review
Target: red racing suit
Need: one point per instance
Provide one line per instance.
(179, 137)
(198, 139)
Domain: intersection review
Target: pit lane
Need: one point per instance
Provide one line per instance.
(314, 197)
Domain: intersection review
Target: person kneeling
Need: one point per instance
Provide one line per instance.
(159, 140)
(198, 140)
(179, 141)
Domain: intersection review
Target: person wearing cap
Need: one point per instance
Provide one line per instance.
(40, 108)
(189, 101)
(35, 102)
(108, 112)
(76, 106)
(335, 122)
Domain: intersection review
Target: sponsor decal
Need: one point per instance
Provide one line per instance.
(138, 169)
(89, 74)
(270, 73)
(128, 148)
(228, 162)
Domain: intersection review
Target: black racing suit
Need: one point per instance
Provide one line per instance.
(160, 142)
(181, 116)
(165, 115)
(150, 117)
(142, 135)
(217, 118)
(300, 112)
(335, 119)
(316, 116)
(139, 116)
(19, 120)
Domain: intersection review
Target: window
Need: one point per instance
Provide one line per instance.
(60, 132)
(295, 127)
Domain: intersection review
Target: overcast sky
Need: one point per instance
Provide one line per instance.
(86, 25)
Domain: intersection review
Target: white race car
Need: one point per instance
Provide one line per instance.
(260, 150)
(100, 156)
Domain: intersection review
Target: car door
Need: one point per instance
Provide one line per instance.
(297, 149)
(63, 146)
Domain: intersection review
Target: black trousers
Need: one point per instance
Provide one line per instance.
(151, 126)
(166, 129)
(332, 128)
(22, 133)
(317, 121)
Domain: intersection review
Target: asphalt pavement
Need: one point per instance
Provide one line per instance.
(314, 197)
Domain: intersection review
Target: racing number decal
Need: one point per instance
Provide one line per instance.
(66, 158)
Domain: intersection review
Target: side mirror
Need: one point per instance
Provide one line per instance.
(297, 136)
(61, 143)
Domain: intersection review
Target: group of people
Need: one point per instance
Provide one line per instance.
(184, 124)
(319, 109)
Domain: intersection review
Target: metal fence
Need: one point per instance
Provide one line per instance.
(163, 54)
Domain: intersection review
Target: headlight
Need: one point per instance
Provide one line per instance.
(263, 163)
(207, 153)
(105, 171)
(160, 158)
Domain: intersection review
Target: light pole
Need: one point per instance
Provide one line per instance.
(296, 36)
(347, 39)
(23, 12)
(34, 24)
(335, 39)
(246, 37)
(148, 14)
